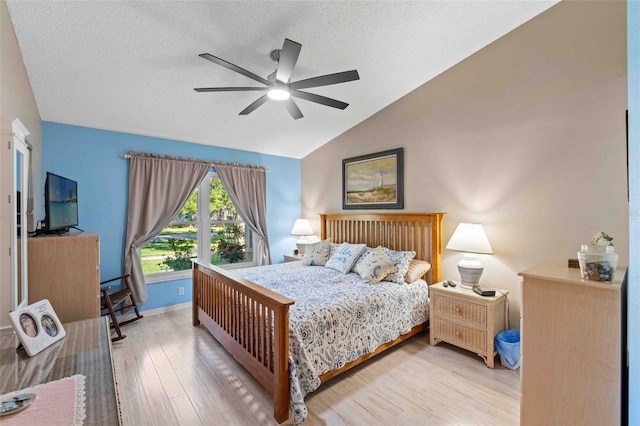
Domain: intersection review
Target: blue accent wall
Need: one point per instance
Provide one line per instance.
(633, 74)
(92, 157)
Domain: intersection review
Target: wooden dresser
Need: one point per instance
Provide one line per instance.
(66, 271)
(570, 346)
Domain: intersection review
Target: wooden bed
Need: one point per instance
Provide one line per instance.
(240, 313)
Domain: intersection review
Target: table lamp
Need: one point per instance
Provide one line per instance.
(470, 238)
(302, 228)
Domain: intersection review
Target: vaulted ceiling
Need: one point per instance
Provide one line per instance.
(131, 66)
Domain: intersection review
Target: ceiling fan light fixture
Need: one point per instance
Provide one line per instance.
(278, 93)
(278, 84)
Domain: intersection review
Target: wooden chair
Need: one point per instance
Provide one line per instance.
(121, 301)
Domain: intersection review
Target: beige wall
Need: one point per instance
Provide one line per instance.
(527, 136)
(16, 101)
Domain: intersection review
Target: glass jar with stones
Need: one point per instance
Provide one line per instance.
(597, 263)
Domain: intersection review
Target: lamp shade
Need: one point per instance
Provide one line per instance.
(470, 238)
(302, 227)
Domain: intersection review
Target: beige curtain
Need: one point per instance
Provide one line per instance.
(247, 188)
(158, 188)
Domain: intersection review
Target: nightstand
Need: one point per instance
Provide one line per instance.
(465, 319)
(292, 258)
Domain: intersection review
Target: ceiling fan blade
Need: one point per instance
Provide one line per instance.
(230, 89)
(248, 110)
(318, 99)
(293, 109)
(233, 67)
(325, 80)
(288, 58)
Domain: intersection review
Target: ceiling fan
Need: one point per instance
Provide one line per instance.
(277, 84)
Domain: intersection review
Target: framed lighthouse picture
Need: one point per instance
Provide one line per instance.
(373, 181)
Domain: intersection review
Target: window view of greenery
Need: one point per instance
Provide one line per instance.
(175, 247)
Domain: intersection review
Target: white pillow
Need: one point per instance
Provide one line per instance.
(374, 265)
(402, 260)
(345, 257)
(317, 254)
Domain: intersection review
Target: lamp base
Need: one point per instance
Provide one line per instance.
(470, 269)
(466, 286)
(301, 247)
(301, 244)
(303, 241)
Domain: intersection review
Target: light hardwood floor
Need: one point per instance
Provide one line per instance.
(171, 373)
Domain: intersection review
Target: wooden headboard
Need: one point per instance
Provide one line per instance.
(420, 232)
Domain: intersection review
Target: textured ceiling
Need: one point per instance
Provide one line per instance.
(131, 66)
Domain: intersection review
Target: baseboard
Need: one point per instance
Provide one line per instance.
(6, 330)
(165, 309)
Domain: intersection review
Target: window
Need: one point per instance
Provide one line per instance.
(207, 228)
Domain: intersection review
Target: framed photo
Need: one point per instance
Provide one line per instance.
(374, 181)
(37, 326)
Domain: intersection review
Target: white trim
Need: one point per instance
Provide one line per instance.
(20, 157)
(165, 309)
(204, 229)
(160, 277)
(231, 266)
(19, 130)
(6, 330)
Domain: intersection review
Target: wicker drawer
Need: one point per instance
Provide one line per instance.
(466, 311)
(460, 334)
(465, 319)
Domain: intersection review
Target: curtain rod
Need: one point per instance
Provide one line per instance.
(168, 157)
(130, 154)
(249, 166)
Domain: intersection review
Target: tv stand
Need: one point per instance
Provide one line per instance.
(58, 232)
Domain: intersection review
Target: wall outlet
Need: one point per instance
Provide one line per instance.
(180, 291)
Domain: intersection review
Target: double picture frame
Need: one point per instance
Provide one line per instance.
(37, 326)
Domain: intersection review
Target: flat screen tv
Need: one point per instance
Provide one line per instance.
(60, 204)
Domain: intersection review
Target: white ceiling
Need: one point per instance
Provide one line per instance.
(131, 66)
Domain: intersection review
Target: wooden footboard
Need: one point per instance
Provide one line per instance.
(251, 322)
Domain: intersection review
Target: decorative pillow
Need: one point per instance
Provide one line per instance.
(374, 265)
(402, 260)
(417, 268)
(364, 254)
(345, 256)
(333, 249)
(317, 254)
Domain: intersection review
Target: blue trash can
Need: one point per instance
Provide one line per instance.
(508, 346)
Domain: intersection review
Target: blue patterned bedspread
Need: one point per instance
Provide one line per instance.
(336, 318)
